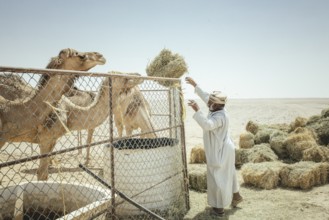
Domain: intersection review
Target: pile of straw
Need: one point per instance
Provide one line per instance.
(167, 64)
(277, 143)
(299, 122)
(262, 175)
(198, 177)
(246, 140)
(257, 154)
(320, 124)
(304, 175)
(316, 154)
(198, 155)
(263, 135)
(252, 127)
(298, 141)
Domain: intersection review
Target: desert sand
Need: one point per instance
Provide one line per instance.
(279, 203)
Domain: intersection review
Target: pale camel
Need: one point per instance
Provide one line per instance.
(132, 113)
(71, 117)
(21, 120)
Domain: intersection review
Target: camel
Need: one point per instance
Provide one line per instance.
(72, 117)
(132, 113)
(20, 120)
(13, 88)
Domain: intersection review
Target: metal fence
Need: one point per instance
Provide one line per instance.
(80, 145)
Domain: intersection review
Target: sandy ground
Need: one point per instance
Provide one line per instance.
(278, 203)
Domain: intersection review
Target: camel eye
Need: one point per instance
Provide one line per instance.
(82, 57)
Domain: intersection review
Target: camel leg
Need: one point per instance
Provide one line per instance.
(42, 172)
(89, 139)
(118, 122)
(146, 124)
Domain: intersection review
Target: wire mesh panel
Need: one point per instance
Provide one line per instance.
(78, 145)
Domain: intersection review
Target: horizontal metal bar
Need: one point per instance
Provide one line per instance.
(81, 73)
(27, 159)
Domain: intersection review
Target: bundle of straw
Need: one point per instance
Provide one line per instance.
(167, 64)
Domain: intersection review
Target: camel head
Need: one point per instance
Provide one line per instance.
(70, 59)
(123, 82)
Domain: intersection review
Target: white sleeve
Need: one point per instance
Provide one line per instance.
(208, 124)
(202, 94)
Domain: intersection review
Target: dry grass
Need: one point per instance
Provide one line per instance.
(264, 175)
(316, 154)
(246, 140)
(198, 177)
(167, 64)
(298, 141)
(198, 155)
(304, 175)
(278, 145)
(257, 154)
(299, 122)
(252, 127)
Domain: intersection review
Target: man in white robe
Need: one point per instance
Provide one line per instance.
(222, 183)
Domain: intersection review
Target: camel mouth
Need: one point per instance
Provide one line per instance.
(101, 61)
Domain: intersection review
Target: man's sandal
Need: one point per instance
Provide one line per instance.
(235, 202)
(215, 212)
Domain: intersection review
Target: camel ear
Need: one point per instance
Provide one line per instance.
(133, 82)
(59, 61)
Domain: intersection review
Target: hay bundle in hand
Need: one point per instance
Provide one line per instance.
(264, 175)
(167, 64)
(246, 140)
(304, 175)
(198, 155)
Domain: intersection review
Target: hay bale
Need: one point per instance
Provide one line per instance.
(325, 113)
(298, 141)
(167, 64)
(257, 154)
(262, 175)
(246, 140)
(261, 153)
(198, 155)
(313, 119)
(252, 127)
(299, 122)
(241, 157)
(321, 128)
(304, 175)
(316, 154)
(277, 143)
(263, 135)
(198, 177)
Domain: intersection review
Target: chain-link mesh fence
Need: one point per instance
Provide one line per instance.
(63, 157)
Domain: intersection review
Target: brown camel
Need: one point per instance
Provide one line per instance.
(20, 121)
(84, 117)
(12, 88)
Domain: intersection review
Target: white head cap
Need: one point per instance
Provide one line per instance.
(218, 97)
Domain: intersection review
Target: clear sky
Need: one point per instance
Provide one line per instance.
(246, 48)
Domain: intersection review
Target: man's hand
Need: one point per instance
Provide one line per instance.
(190, 81)
(194, 105)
